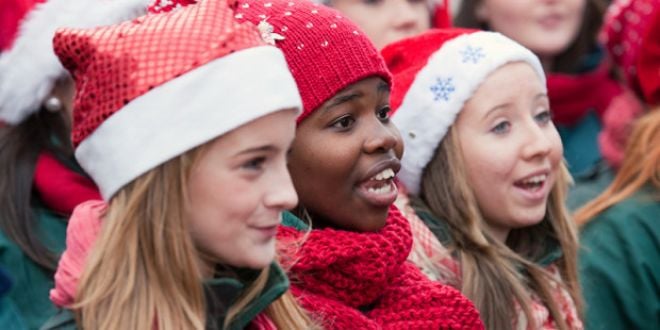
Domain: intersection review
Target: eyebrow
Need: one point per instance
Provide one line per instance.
(264, 148)
(347, 96)
(503, 105)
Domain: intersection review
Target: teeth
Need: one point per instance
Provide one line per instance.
(536, 179)
(382, 190)
(385, 174)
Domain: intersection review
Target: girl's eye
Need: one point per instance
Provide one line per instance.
(372, 2)
(543, 117)
(501, 128)
(343, 122)
(254, 164)
(384, 113)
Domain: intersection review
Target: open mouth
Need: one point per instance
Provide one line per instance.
(380, 189)
(532, 184)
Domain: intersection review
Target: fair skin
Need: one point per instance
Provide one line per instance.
(547, 28)
(386, 21)
(238, 189)
(344, 158)
(511, 148)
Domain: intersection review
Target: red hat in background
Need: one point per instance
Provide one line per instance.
(632, 37)
(30, 68)
(11, 15)
(441, 14)
(648, 63)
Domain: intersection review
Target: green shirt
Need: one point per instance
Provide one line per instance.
(620, 265)
(28, 300)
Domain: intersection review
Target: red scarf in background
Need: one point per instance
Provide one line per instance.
(61, 188)
(572, 96)
(361, 280)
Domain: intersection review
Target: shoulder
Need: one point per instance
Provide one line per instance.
(630, 220)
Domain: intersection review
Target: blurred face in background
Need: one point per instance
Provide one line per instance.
(547, 28)
(386, 21)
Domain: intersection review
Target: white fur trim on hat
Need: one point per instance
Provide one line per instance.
(453, 73)
(29, 70)
(186, 112)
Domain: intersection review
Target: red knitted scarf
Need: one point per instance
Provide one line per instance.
(571, 96)
(61, 188)
(354, 280)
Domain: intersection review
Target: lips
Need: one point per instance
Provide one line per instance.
(535, 186)
(378, 188)
(551, 21)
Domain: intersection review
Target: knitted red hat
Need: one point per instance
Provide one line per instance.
(155, 87)
(629, 34)
(434, 74)
(325, 51)
(648, 62)
(30, 69)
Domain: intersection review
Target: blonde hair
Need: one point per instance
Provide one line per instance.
(496, 276)
(144, 270)
(641, 166)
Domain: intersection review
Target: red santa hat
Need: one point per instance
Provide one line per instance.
(30, 69)
(150, 89)
(434, 74)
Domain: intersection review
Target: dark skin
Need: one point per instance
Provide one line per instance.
(339, 147)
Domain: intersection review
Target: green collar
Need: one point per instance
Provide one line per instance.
(222, 292)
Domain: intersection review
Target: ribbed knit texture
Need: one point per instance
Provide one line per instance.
(324, 50)
(353, 280)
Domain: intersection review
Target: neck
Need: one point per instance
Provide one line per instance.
(498, 233)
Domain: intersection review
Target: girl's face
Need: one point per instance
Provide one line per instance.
(237, 190)
(344, 158)
(511, 149)
(547, 28)
(386, 21)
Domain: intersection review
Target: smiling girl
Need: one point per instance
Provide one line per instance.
(192, 170)
(591, 108)
(483, 165)
(350, 269)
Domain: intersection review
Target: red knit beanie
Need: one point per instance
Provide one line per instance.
(631, 34)
(434, 74)
(325, 51)
(648, 63)
(150, 89)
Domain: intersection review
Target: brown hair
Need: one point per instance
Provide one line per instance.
(496, 276)
(143, 272)
(20, 146)
(568, 60)
(641, 166)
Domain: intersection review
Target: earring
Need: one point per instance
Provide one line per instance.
(53, 104)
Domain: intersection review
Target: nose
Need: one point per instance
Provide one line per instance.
(281, 194)
(381, 138)
(538, 142)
